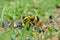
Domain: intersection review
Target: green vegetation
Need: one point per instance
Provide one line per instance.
(13, 10)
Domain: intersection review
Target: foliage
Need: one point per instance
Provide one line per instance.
(13, 10)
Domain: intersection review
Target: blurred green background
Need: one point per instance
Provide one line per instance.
(14, 10)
